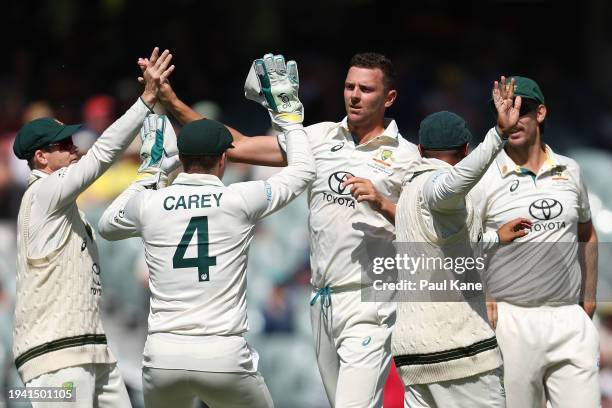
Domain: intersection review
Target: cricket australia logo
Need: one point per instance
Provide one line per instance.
(386, 155)
(335, 182)
(545, 209)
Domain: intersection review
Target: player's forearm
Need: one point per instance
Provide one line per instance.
(588, 255)
(387, 210)
(114, 225)
(106, 150)
(299, 173)
(460, 179)
(180, 110)
(258, 150)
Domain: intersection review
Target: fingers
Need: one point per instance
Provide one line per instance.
(292, 71)
(280, 66)
(352, 180)
(369, 198)
(510, 89)
(495, 92)
(163, 61)
(154, 55)
(142, 63)
(520, 224)
(260, 70)
(517, 103)
(269, 63)
(164, 76)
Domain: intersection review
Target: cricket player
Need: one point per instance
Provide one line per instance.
(446, 351)
(58, 336)
(197, 234)
(364, 155)
(549, 343)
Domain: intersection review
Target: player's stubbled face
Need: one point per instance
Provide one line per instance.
(525, 131)
(364, 95)
(61, 155)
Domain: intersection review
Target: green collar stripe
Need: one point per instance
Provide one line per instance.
(58, 345)
(448, 355)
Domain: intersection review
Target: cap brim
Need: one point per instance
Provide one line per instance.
(66, 132)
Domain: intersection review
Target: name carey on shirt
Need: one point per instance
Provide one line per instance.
(188, 202)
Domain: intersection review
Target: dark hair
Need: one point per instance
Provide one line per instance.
(199, 164)
(374, 60)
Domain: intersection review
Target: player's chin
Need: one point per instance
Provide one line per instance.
(355, 116)
(517, 139)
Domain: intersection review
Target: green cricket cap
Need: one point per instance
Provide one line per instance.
(527, 88)
(443, 131)
(204, 137)
(39, 133)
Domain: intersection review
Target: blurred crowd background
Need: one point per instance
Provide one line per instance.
(76, 61)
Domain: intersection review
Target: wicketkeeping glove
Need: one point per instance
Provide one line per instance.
(158, 153)
(274, 84)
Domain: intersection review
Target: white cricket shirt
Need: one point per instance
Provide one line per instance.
(346, 235)
(196, 235)
(555, 200)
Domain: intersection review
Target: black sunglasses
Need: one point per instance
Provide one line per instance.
(64, 144)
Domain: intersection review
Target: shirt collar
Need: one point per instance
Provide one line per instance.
(197, 179)
(507, 166)
(389, 135)
(35, 175)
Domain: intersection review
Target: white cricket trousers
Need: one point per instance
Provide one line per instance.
(550, 353)
(164, 388)
(485, 390)
(353, 347)
(95, 385)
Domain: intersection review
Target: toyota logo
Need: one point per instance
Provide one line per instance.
(335, 182)
(545, 209)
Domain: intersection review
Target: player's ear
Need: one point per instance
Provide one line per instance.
(222, 163)
(39, 160)
(421, 150)
(390, 98)
(541, 113)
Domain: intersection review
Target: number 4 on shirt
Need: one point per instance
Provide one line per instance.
(203, 262)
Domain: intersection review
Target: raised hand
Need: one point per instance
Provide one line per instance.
(507, 106)
(274, 84)
(156, 71)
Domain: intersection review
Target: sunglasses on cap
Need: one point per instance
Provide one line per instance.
(65, 144)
